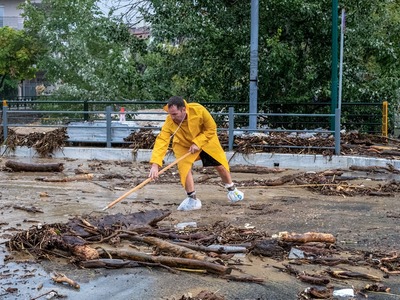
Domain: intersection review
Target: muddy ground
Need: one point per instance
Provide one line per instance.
(359, 223)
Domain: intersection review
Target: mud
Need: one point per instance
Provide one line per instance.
(362, 223)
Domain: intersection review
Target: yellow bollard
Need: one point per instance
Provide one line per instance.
(5, 103)
(385, 118)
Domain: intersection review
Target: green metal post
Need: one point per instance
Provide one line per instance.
(334, 79)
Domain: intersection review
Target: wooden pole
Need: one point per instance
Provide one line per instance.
(145, 182)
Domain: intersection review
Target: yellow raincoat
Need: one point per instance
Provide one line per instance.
(199, 128)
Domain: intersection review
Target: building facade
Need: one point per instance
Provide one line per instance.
(10, 15)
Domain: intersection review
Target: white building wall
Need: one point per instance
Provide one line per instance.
(12, 15)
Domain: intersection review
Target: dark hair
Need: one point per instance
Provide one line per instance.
(176, 101)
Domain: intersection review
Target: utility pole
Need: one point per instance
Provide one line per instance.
(334, 78)
(253, 65)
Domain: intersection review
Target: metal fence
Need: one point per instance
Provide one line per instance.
(104, 123)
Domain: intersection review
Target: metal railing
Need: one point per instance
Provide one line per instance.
(105, 126)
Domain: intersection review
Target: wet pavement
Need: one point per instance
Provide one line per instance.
(360, 222)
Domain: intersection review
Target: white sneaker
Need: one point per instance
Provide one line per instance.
(235, 195)
(189, 204)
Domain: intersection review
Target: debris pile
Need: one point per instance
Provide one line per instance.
(45, 143)
(331, 182)
(352, 143)
(142, 139)
(123, 241)
(82, 241)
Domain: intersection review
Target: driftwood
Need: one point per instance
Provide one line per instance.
(349, 274)
(61, 278)
(34, 167)
(310, 250)
(244, 278)
(268, 248)
(165, 246)
(108, 263)
(196, 236)
(332, 173)
(28, 209)
(330, 261)
(84, 252)
(389, 265)
(67, 179)
(282, 180)
(377, 287)
(254, 169)
(175, 262)
(307, 237)
(372, 169)
(318, 280)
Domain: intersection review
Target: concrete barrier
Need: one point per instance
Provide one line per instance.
(289, 161)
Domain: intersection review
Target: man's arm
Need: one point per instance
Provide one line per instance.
(161, 145)
(209, 129)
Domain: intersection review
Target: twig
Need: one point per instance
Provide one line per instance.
(61, 278)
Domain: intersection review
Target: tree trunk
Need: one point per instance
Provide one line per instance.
(33, 167)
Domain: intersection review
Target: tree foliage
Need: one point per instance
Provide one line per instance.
(18, 56)
(90, 54)
(201, 49)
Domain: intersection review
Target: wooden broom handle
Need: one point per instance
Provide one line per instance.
(145, 182)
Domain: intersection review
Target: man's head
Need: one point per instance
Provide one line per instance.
(177, 109)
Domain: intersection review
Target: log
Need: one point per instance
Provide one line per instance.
(318, 280)
(332, 173)
(165, 246)
(307, 237)
(175, 262)
(85, 252)
(244, 278)
(254, 169)
(34, 167)
(67, 179)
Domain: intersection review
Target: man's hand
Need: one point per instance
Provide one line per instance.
(153, 171)
(194, 148)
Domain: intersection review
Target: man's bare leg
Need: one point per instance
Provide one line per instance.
(224, 174)
(189, 184)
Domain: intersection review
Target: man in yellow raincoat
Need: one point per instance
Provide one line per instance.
(193, 130)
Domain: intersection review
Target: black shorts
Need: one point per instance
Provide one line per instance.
(207, 160)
